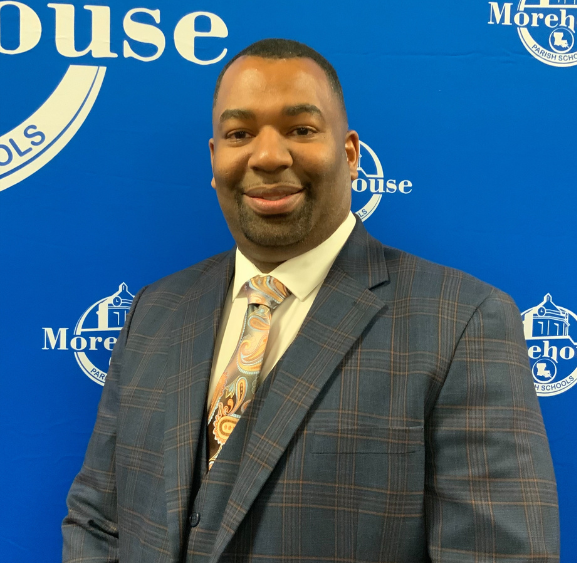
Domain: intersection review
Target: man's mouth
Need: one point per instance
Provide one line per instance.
(273, 200)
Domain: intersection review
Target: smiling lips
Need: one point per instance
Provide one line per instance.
(273, 200)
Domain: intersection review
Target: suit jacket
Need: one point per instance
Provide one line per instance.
(401, 426)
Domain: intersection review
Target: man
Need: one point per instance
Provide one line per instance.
(312, 395)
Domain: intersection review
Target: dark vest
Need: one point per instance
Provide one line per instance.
(211, 490)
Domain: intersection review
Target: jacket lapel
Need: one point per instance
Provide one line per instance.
(342, 309)
(188, 372)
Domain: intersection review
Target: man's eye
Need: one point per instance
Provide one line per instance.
(238, 135)
(302, 131)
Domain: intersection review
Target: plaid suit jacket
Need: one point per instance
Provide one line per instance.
(401, 426)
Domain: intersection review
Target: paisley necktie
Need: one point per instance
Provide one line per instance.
(237, 385)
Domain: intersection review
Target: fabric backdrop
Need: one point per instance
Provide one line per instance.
(463, 110)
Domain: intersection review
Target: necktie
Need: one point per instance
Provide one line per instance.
(237, 385)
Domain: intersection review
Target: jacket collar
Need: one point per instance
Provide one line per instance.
(190, 350)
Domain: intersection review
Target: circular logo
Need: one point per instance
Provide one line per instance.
(96, 333)
(552, 351)
(37, 140)
(370, 182)
(547, 30)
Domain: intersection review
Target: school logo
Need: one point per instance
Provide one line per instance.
(546, 28)
(95, 334)
(37, 140)
(552, 351)
(371, 184)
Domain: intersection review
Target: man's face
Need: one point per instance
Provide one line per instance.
(282, 157)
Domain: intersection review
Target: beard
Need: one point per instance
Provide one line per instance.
(276, 230)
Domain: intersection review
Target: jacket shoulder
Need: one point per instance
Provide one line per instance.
(417, 277)
(178, 283)
(161, 298)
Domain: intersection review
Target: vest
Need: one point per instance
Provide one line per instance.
(211, 489)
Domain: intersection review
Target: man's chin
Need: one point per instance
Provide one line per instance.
(276, 230)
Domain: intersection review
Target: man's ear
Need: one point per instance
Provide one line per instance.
(211, 147)
(352, 149)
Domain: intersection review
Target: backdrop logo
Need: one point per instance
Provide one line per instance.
(371, 182)
(143, 39)
(95, 334)
(552, 351)
(37, 140)
(545, 27)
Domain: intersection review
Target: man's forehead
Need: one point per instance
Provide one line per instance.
(251, 76)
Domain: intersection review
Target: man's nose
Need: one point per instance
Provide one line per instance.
(270, 151)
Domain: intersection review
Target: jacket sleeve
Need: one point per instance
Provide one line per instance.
(90, 530)
(490, 492)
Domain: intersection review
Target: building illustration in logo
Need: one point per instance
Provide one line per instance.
(371, 182)
(112, 311)
(552, 351)
(95, 334)
(547, 3)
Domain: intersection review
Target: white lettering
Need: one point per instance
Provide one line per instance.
(405, 184)
(143, 33)
(93, 341)
(50, 339)
(359, 185)
(30, 29)
(65, 35)
(551, 20)
(550, 351)
(567, 21)
(109, 343)
(377, 186)
(545, 54)
(567, 353)
(78, 343)
(185, 34)
(521, 19)
(536, 16)
(391, 186)
(534, 352)
(505, 13)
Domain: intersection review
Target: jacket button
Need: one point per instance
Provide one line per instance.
(194, 519)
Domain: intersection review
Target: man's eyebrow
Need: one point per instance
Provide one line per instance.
(236, 114)
(302, 108)
(239, 113)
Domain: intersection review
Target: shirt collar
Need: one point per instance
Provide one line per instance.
(303, 273)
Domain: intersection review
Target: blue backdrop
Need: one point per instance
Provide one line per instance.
(467, 159)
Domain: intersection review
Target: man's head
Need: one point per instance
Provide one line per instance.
(285, 49)
(282, 155)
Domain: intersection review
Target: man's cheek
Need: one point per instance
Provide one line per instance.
(317, 164)
(229, 172)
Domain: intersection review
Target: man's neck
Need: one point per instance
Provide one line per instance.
(266, 267)
(267, 259)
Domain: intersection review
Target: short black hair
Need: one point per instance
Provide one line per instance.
(286, 49)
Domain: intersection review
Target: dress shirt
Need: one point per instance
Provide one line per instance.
(303, 275)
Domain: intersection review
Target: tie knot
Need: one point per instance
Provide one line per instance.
(265, 290)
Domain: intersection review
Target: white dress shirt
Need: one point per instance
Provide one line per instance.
(303, 275)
